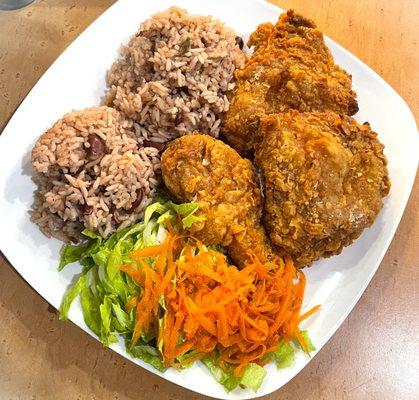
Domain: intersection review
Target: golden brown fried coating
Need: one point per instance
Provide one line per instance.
(291, 68)
(325, 176)
(200, 168)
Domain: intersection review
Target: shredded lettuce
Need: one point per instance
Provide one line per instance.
(71, 294)
(284, 355)
(90, 305)
(148, 354)
(310, 346)
(187, 211)
(124, 322)
(107, 330)
(252, 377)
(162, 320)
(70, 253)
(225, 378)
(183, 358)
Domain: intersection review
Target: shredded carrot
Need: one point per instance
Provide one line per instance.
(151, 251)
(309, 313)
(211, 305)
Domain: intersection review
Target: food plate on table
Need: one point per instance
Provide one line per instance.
(121, 145)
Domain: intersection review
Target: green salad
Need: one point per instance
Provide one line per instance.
(105, 292)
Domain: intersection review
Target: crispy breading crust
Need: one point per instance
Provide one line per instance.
(200, 168)
(325, 176)
(291, 68)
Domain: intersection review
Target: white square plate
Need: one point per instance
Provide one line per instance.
(77, 80)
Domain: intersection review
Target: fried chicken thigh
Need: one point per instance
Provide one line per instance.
(291, 68)
(200, 168)
(324, 176)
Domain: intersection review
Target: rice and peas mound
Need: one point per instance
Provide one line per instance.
(99, 168)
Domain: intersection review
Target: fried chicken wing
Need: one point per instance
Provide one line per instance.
(291, 68)
(200, 168)
(324, 176)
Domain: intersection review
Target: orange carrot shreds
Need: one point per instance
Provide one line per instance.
(151, 251)
(170, 227)
(301, 340)
(192, 358)
(134, 273)
(131, 303)
(309, 313)
(203, 306)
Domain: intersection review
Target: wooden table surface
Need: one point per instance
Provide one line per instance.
(374, 354)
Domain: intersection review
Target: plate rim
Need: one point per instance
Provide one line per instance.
(397, 219)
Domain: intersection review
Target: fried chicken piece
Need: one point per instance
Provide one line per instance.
(324, 176)
(200, 168)
(291, 68)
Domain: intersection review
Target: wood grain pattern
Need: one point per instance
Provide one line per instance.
(372, 356)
